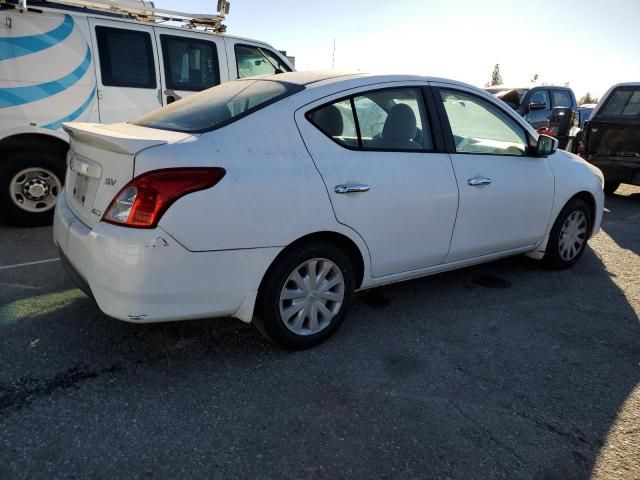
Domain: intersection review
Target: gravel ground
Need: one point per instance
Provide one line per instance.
(504, 370)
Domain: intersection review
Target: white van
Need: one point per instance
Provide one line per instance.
(98, 61)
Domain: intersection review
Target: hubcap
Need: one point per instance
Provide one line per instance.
(35, 189)
(312, 296)
(573, 235)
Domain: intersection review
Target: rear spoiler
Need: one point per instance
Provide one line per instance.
(120, 137)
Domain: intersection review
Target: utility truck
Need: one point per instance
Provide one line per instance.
(99, 61)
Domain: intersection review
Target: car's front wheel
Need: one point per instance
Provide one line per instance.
(569, 235)
(305, 296)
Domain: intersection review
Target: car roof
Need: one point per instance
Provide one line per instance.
(312, 79)
(626, 84)
(502, 87)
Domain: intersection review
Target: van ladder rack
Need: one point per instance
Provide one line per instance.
(141, 10)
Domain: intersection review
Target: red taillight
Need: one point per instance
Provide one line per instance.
(143, 201)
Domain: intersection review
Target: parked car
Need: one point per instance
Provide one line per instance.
(537, 104)
(611, 137)
(100, 63)
(584, 113)
(277, 197)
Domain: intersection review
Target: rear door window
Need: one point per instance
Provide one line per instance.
(126, 58)
(189, 64)
(623, 102)
(392, 119)
(337, 122)
(541, 97)
(561, 98)
(252, 60)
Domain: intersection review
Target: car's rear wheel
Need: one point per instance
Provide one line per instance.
(610, 187)
(569, 235)
(305, 296)
(30, 183)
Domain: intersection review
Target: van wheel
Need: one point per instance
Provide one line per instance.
(569, 235)
(610, 187)
(305, 296)
(30, 183)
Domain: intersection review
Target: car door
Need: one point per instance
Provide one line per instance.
(539, 118)
(190, 62)
(506, 193)
(127, 69)
(382, 160)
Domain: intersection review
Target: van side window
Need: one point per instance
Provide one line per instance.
(252, 60)
(126, 58)
(189, 63)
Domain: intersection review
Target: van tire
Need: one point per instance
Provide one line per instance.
(15, 162)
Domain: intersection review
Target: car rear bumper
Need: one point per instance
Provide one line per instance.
(144, 275)
(618, 169)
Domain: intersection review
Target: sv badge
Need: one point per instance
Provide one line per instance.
(110, 181)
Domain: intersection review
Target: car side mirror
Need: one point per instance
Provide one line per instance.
(537, 106)
(546, 145)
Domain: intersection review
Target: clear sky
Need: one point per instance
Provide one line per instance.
(591, 44)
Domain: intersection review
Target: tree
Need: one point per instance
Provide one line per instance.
(587, 98)
(535, 78)
(496, 78)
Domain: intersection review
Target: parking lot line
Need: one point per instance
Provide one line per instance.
(27, 264)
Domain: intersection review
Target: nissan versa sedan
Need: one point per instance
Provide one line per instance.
(272, 199)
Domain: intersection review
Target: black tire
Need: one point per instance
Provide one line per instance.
(552, 257)
(610, 187)
(10, 166)
(268, 318)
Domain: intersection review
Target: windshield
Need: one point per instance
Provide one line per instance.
(218, 106)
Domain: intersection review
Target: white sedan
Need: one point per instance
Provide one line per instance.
(272, 199)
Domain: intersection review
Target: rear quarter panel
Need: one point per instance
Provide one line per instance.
(270, 196)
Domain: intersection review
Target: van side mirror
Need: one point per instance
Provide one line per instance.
(537, 106)
(546, 145)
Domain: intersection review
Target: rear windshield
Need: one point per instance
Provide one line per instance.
(623, 102)
(217, 106)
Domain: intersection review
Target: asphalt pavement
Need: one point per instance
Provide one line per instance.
(503, 370)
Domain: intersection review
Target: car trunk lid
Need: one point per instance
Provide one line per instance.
(101, 161)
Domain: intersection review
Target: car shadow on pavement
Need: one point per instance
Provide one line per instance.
(500, 370)
(624, 229)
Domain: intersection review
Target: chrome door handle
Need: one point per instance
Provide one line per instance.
(477, 181)
(355, 188)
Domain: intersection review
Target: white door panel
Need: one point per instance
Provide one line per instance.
(506, 194)
(510, 212)
(123, 100)
(407, 215)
